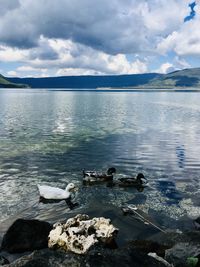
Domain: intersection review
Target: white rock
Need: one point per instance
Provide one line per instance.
(78, 234)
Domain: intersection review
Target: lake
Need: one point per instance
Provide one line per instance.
(48, 137)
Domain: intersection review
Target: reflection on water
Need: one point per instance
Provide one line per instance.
(49, 137)
(180, 152)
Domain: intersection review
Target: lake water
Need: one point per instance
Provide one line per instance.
(48, 137)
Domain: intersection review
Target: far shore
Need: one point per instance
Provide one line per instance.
(113, 89)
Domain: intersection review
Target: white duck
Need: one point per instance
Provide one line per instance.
(49, 192)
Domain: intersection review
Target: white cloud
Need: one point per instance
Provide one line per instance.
(93, 37)
(185, 41)
(12, 73)
(76, 59)
(166, 68)
(26, 68)
(176, 64)
(113, 26)
(181, 63)
(75, 72)
(9, 54)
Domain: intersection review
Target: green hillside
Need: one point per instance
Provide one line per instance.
(4, 83)
(181, 78)
(187, 78)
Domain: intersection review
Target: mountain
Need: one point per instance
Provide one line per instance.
(88, 81)
(5, 83)
(181, 79)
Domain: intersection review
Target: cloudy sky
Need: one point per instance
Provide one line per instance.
(78, 37)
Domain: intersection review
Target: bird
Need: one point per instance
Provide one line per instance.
(94, 176)
(49, 194)
(139, 180)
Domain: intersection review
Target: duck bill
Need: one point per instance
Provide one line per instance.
(75, 189)
(144, 180)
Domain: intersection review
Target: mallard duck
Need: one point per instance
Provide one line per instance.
(139, 181)
(94, 176)
(49, 194)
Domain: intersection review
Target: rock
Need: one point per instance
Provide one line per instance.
(3, 260)
(180, 252)
(192, 262)
(197, 223)
(160, 259)
(97, 256)
(147, 246)
(26, 235)
(78, 234)
(48, 258)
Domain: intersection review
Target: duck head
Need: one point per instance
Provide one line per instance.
(71, 187)
(140, 178)
(110, 171)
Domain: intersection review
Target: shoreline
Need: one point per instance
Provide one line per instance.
(109, 89)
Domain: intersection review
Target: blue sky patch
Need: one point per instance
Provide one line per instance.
(192, 12)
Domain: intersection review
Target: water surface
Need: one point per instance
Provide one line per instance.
(48, 137)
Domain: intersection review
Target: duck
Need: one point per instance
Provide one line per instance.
(140, 180)
(94, 176)
(137, 182)
(49, 194)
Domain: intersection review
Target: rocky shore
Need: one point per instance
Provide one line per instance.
(31, 237)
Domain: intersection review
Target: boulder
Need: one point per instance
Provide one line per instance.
(197, 223)
(97, 256)
(26, 235)
(3, 260)
(78, 234)
(179, 253)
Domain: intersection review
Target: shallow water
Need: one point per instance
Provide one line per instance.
(48, 137)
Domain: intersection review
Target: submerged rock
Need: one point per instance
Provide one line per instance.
(160, 259)
(197, 223)
(26, 235)
(179, 253)
(3, 260)
(96, 257)
(78, 234)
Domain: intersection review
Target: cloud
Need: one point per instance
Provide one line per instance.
(184, 42)
(111, 26)
(99, 24)
(9, 54)
(12, 73)
(7, 6)
(76, 59)
(176, 64)
(166, 68)
(95, 37)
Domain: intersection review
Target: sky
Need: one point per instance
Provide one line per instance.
(44, 38)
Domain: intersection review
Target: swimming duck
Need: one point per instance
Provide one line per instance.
(138, 181)
(94, 176)
(50, 194)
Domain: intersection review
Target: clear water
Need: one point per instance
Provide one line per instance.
(48, 137)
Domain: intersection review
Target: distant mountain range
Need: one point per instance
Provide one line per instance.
(182, 78)
(5, 83)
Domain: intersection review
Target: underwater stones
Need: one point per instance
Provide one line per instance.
(26, 235)
(3, 260)
(180, 252)
(96, 256)
(78, 234)
(197, 223)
